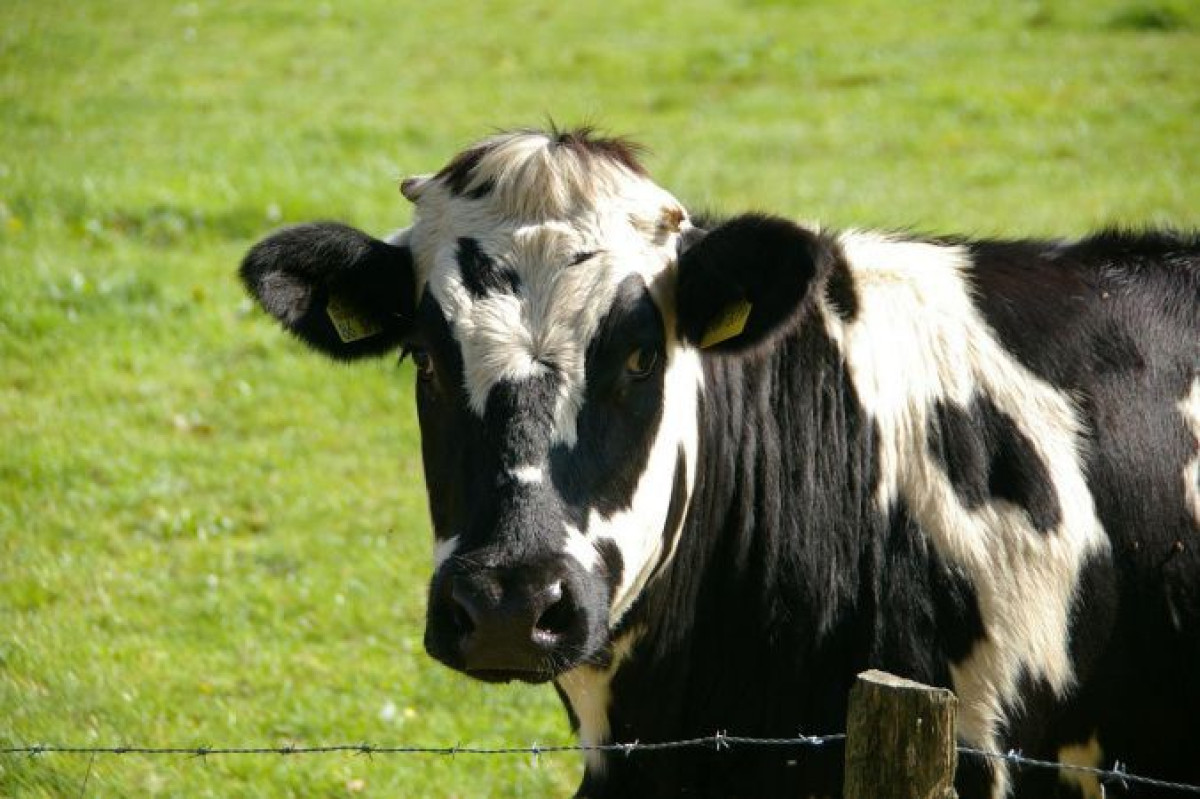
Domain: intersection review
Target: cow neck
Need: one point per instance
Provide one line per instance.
(749, 630)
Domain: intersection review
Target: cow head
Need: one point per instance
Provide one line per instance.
(554, 301)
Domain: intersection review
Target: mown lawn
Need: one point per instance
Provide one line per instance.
(209, 536)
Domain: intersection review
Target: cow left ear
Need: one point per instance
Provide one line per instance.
(743, 281)
(341, 291)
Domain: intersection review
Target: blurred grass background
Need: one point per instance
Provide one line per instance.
(209, 536)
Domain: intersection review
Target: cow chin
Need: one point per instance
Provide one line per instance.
(529, 622)
(505, 676)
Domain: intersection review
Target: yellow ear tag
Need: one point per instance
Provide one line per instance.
(730, 323)
(350, 325)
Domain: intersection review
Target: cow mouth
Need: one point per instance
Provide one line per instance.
(503, 664)
(509, 675)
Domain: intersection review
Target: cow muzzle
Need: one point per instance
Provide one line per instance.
(526, 623)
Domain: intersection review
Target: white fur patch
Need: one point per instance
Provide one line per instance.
(1089, 755)
(1189, 406)
(580, 548)
(587, 689)
(529, 475)
(398, 238)
(442, 551)
(918, 339)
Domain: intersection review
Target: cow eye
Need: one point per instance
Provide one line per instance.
(641, 363)
(423, 362)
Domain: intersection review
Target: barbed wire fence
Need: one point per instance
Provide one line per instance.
(898, 714)
(1117, 775)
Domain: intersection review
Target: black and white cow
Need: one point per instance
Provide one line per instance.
(701, 474)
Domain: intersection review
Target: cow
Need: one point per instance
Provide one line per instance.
(700, 472)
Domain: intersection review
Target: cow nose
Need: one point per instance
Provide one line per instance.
(476, 609)
(510, 630)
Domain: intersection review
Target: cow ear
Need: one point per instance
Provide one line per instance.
(743, 281)
(339, 290)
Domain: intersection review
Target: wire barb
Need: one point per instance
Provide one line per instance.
(1118, 772)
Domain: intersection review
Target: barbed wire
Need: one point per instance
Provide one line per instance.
(1116, 775)
(719, 741)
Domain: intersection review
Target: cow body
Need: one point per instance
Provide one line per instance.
(701, 474)
(801, 564)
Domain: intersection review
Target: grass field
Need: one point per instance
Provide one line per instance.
(211, 537)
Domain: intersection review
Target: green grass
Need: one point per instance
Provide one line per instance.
(211, 537)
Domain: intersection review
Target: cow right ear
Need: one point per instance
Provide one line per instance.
(744, 281)
(342, 292)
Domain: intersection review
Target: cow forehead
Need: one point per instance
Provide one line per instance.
(554, 290)
(529, 195)
(525, 270)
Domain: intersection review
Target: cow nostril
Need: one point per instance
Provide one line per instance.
(461, 619)
(461, 615)
(556, 619)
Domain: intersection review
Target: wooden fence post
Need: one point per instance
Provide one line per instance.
(900, 739)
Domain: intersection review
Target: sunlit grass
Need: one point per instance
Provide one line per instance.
(211, 537)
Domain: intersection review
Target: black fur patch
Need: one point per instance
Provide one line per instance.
(960, 622)
(1162, 246)
(840, 291)
(974, 777)
(480, 272)
(1115, 351)
(586, 141)
(986, 455)
(614, 564)
(485, 187)
(457, 174)
(460, 472)
(519, 418)
(1126, 291)
(620, 416)
(962, 450)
